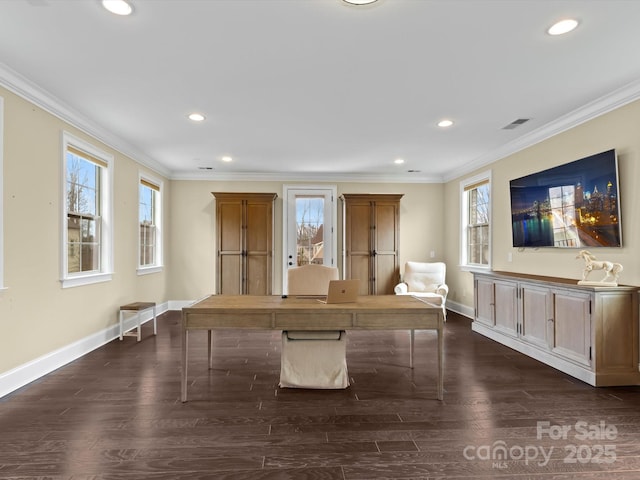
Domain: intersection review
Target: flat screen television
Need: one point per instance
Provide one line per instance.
(575, 205)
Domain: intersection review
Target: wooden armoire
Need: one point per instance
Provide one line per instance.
(371, 230)
(244, 234)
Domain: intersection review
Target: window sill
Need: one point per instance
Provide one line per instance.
(148, 270)
(70, 282)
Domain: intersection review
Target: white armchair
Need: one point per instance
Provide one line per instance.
(425, 280)
(313, 359)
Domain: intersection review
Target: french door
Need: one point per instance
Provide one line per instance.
(309, 221)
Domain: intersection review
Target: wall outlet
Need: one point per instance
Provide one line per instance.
(509, 257)
(432, 254)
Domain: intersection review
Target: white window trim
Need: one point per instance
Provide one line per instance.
(159, 265)
(2, 287)
(464, 220)
(106, 192)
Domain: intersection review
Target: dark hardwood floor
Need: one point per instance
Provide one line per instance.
(116, 414)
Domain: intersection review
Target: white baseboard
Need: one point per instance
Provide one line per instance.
(460, 309)
(180, 304)
(22, 375)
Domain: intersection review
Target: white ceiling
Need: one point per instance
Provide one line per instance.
(318, 89)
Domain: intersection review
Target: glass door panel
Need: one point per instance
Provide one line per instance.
(309, 227)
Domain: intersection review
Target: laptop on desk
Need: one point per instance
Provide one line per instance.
(342, 291)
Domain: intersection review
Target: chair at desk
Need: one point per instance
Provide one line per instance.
(313, 359)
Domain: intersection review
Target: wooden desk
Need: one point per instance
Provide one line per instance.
(373, 312)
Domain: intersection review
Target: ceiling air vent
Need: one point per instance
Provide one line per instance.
(516, 123)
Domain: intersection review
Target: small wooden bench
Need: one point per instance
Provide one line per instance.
(138, 308)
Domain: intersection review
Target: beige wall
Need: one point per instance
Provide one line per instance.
(38, 316)
(193, 228)
(617, 129)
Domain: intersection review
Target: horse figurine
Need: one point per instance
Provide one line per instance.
(612, 270)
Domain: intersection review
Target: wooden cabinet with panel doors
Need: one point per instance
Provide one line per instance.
(371, 235)
(244, 235)
(589, 332)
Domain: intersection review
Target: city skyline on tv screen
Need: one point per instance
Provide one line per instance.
(575, 205)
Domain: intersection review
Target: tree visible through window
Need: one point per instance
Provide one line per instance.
(83, 213)
(310, 229)
(476, 226)
(148, 223)
(87, 212)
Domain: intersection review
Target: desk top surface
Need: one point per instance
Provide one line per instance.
(256, 303)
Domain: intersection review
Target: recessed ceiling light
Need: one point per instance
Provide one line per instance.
(119, 7)
(196, 117)
(398, 161)
(445, 123)
(227, 159)
(359, 2)
(562, 27)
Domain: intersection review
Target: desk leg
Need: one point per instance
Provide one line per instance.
(411, 341)
(184, 363)
(210, 348)
(139, 320)
(440, 361)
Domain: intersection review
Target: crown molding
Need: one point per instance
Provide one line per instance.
(209, 175)
(605, 104)
(23, 87)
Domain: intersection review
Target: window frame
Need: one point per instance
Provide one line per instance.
(476, 180)
(105, 273)
(2, 287)
(158, 264)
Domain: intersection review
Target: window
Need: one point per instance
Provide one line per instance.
(1, 194)
(149, 246)
(476, 227)
(87, 230)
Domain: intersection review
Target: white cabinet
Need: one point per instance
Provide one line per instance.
(484, 300)
(505, 301)
(572, 325)
(588, 332)
(536, 317)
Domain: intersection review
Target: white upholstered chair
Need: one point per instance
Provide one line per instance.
(425, 280)
(313, 359)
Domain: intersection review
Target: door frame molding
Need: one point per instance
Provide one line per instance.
(310, 189)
